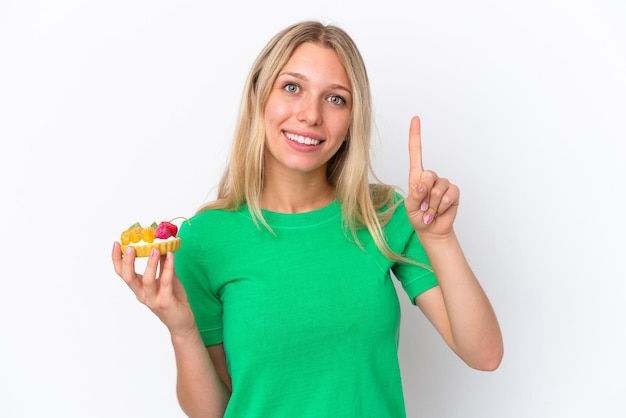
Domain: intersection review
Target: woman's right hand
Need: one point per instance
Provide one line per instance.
(163, 293)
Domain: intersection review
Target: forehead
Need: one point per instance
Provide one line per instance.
(316, 61)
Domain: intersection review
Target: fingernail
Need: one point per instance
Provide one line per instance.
(420, 188)
(428, 219)
(153, 253)
(424, 206)
(129, 249)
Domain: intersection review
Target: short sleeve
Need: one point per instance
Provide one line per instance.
(416, 277)
(191, 262)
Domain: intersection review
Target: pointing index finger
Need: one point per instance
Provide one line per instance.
(415, 148)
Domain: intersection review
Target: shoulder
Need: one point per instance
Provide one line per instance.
(387, 200)
(210, 220)
(207, 234)
(397, 225)
(384, 196)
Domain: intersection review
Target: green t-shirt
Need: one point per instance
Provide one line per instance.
(309, 320)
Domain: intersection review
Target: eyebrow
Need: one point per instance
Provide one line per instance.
(305, 78)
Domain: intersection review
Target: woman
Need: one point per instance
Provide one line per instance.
(280, 302)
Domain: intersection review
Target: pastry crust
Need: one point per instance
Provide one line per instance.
(164, 247)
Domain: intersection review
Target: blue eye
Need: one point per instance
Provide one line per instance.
(338, 100)
(291, 88)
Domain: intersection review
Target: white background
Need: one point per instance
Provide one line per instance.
(122, 111)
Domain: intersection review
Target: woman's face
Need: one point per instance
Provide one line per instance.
(308, 112)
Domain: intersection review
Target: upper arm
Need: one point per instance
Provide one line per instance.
(432, 304)
(218, 357)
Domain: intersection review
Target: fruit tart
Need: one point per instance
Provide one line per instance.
(157, 235)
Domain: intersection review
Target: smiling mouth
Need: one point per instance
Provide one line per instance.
(304, 140)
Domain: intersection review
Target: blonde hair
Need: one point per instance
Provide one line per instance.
(349, 170)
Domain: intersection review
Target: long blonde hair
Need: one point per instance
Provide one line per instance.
(349, 170)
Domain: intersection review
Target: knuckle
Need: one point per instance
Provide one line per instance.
(446, 200)
(128, 279)
(431, 174)
(437, 193)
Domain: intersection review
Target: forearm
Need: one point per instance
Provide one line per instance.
(201, 392)
(474, 332)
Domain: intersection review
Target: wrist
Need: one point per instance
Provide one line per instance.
(188, 333)
(437, 240)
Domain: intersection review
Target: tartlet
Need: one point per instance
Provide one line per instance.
(161, 236)
(145, 249)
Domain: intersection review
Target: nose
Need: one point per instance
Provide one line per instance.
(309, 110)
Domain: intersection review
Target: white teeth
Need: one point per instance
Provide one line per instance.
(302, 139)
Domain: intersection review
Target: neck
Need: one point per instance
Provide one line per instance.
(296, 195)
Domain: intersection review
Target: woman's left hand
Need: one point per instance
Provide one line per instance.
(433, 201)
